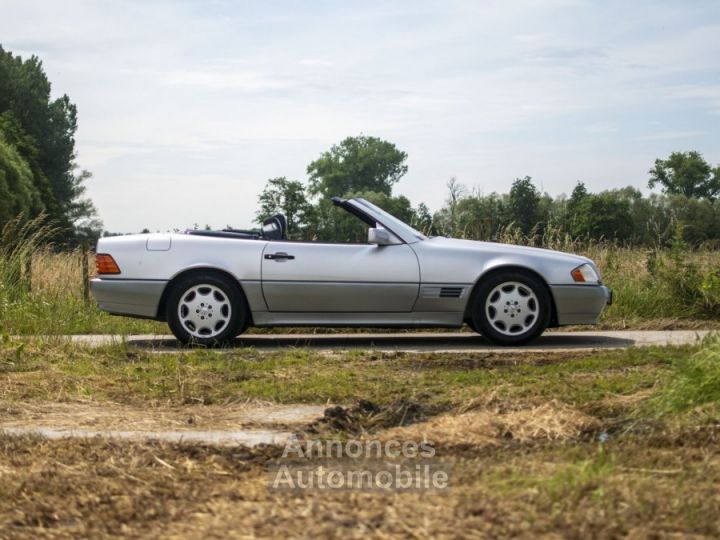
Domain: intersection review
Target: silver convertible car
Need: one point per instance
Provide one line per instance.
(211, 285)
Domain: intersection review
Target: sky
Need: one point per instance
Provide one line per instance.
(186, 108)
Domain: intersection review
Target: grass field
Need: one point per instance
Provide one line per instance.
(571, 444)
(653, 289)
(568, 444)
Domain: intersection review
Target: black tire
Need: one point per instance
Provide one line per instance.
(219, 288)
(530, 323)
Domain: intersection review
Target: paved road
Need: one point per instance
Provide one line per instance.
(423, 342)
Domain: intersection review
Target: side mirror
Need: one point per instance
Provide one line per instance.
(379, 236)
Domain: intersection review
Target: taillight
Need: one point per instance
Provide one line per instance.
(105, 264)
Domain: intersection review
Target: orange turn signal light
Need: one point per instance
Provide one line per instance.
(577, 275)
(105, 264)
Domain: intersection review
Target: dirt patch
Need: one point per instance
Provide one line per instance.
(366, 416)
(113, 416)
(550, 421)
(244, 437)
(248, 424)
(261, 423)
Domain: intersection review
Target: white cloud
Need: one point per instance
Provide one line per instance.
(219, 78)
(671, 135)
(181, 99)
(315, 62)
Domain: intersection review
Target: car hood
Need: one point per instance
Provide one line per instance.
(498, 248)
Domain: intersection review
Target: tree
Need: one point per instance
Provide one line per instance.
(688, 174)
(456, 191)
(357, 164)
(283, 196)
(42, 130)
(423, 220)
(577, 196)
(522, 205)
(475, 216)
(606, 215)
(328, 222)
(573, 209)
(696, 220)
(24, 144)
(18, 195)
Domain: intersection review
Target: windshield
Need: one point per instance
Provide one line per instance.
(391, 221)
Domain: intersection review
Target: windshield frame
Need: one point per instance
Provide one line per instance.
(398, 227)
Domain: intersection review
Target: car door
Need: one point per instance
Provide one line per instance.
(326, 277)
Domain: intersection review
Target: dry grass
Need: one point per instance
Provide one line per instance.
(58, 276)
(519, 433)
(655, 487)
(550, 421)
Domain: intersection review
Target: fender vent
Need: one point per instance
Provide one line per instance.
(443, 292)
(450, 292)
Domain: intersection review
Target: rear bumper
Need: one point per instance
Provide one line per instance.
(580, 304)
(137, 298)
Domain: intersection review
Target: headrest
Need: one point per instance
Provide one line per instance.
(275, 227)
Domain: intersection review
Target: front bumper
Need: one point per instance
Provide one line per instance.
(135, 298)
(580, 304)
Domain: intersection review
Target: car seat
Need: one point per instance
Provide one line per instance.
(275, 227)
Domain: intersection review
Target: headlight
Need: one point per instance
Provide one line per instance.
(585, 274)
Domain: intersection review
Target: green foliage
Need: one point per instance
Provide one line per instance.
(357, 164)
(691, 286)
(18, 194)
(522, 205)
(422, 220)
(605, 215)
(686, 173)
(619, 216)
(369, 167)
(357, 167)
(286, 197)
(695, 381)
(332, 224)
(41, 131)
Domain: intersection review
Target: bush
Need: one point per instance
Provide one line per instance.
(695, 381)
(690, 285)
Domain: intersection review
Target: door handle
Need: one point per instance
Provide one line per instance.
(279, 256)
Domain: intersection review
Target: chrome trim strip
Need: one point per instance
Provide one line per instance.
(409, 320)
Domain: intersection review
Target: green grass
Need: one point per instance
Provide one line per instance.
(37, 315)
(695, 382)
(36, 370)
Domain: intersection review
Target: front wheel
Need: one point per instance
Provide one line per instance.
(206, 309)
(512, 308)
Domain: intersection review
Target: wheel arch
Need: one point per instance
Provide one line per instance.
(510, 268)
(204, 270)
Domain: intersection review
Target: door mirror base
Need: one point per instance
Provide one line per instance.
(380, 237)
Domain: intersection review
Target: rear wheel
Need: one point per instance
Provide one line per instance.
(206, 309)
(511, 308)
